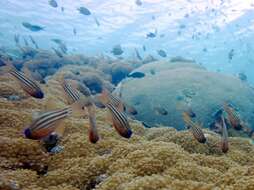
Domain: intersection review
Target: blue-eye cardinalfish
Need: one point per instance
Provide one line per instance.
(194, 128)
(26, 83)
(118, 117)
(80, 101)
(46, 123)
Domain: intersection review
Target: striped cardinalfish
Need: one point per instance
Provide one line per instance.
(224, 139)
(114, 100)
(93, 133)
(233, 117)
(195, 128)
(26, 83)
(120, 121)
(46, 123)
(75, 98)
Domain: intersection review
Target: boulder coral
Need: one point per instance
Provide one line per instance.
(153, 159)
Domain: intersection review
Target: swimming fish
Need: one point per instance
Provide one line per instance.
(31, 27)
(57, 41)
(151, 35)
(27, 84)
(96, 21)
(63, 48)
(62, 9)
(25, 41)
(120, 121)
(84, 11)
(138, 2)
(93, 132)
(144, 48)
(233, 117)
(75, 98)
(16, 39)
(53, 3)
(231, 54)
(162, 53)
(46, 123)
(160, 111)
(195, 128)
(117, 50)
(224, 139)
(137, 75)
(242, 76)
(75, 31)
(137, 54)
(33, 42)
(57, 52)
(118, 117)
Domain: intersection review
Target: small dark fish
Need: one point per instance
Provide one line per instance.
(25, 41)
(74, 31)
(233, 117)
(144, 48)
(31, 27)
(96, 21)
(231, 54)
(137, 75)
(195, 128)
(160, 111)
(204, 50)
(27, 84)
(182, 26)
(46, 123)
(138, 2)
(138, 55)
(162, 53)
(152, 71)
(242, 76)
(57, 52)
(33, 42)
(57, 41)
(224, 139)
(117, 50)
(16, 39)
(53, 3)
(62, 9)
(150, 35)
(153, 17)
(84, 11)
(63, 48)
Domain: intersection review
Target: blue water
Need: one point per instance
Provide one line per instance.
(205, 31)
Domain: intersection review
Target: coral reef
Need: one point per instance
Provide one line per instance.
(153, 159)
(178, 87)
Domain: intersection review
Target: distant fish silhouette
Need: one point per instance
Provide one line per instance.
(137, 75)
(84, 11)
(162, 53)
(53, 3)
(31, 27)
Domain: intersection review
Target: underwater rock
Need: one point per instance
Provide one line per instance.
(119, 71)
(186, 85)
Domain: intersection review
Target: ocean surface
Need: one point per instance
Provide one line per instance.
(203, 30)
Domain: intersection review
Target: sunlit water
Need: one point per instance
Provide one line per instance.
(202, 30)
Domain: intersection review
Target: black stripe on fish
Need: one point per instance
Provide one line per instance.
(71, 92)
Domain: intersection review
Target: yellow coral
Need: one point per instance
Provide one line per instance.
(153, 159)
